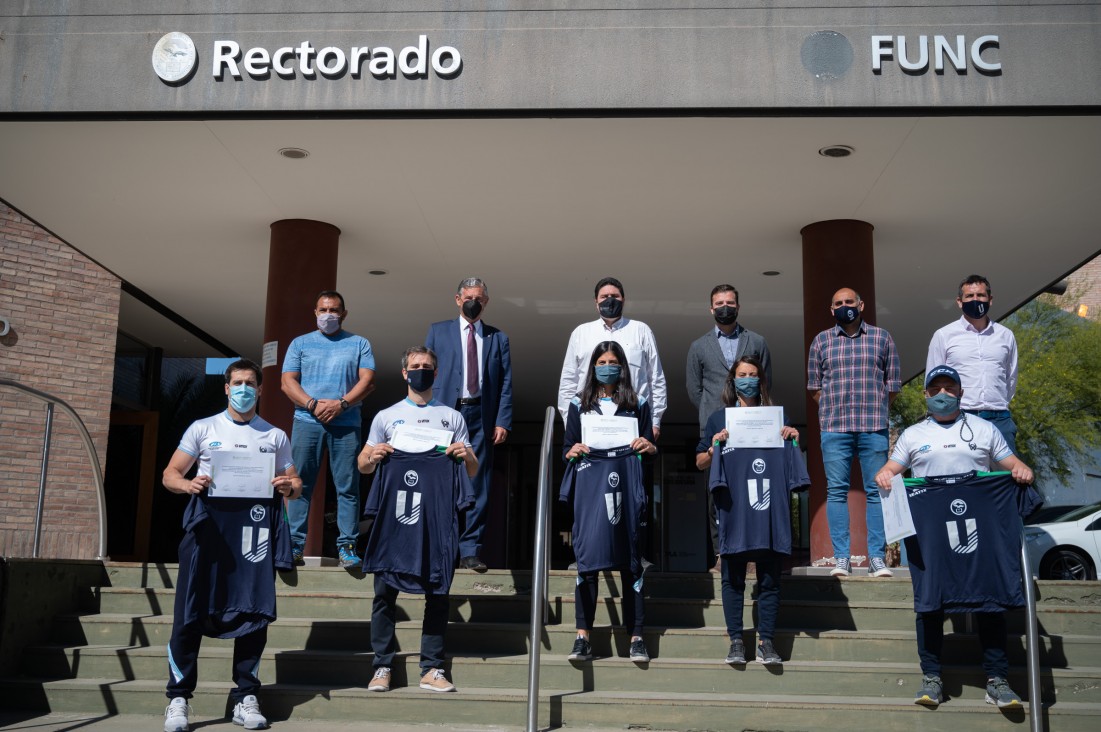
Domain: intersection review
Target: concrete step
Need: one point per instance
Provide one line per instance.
(558, 707)
(868, 646)
(663, 674)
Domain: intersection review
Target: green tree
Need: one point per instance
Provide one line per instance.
(1057, 407)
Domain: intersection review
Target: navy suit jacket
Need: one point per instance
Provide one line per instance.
(443, 338)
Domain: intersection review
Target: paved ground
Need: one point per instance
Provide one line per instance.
(58, 722)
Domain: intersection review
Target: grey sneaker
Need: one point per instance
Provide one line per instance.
(175, 715)
(737, 652)
(582, 650)
(247, 714)
(767, 655)
(639, 653)
(998, 692)
(931, 693)
(878, 568)
(842, 569)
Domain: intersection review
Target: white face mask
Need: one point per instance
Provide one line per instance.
(328, 323)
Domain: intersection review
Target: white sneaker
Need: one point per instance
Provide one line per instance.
(247, 714)
(175, 715)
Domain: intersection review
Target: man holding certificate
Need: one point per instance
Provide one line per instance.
(236, 536)
(606, 488)
(416, 498)
(750, 483)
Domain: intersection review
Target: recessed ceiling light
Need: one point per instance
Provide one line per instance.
(836, 151)
(294, 153)
(771, 272)
(377, 272)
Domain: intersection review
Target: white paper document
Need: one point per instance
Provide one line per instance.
(897, 521)
(241, 474)
(754, 426)
(409, 438)
(601, 432)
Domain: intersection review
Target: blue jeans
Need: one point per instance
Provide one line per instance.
(308, 443)
(837, 458)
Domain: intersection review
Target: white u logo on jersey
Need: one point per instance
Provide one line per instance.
(971, 540)
(254, 552)
(613, 502)
(759, 500)
(411, 514)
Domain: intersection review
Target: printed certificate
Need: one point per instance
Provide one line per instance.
(241, 474)
(754, 426)
(897, 521)
(409, 438)
(602, 432)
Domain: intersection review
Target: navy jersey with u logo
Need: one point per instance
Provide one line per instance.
(752, 491)
(415, 500)
(228, 557)
(609, 503)
(966, 556)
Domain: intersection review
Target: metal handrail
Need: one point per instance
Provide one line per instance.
(1032, 640)
(539, 569)
(97, 472)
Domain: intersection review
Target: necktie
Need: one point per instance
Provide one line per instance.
(471, 361)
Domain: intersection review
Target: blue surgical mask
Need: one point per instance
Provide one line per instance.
(748, 386)
(608, 373)
(942, 404)
(846, 314)
(242, 398)
(328, 323)
(421, 379)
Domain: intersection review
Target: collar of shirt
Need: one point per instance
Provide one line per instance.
(477, 326)
(430, 403)
(733, 334)
(968, 327)
(863, 329)
(618, 325)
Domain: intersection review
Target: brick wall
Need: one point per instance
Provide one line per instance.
(63, 310)
(1088, 278)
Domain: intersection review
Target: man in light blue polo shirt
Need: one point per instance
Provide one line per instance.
(327, 373)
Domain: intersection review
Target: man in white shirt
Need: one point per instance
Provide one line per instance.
(985, 355)
(638, 343)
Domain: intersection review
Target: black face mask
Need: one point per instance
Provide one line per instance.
(976, 309)
(846, 314)
(726, 315)
(421, 379)
(472, 309)
(610, 307)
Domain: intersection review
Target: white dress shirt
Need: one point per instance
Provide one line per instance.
(478, 338)
(986, 361)
(638, 343)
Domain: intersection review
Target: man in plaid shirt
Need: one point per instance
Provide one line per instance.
(853, 373)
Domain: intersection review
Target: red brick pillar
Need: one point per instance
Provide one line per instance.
(836, 254)
(301, 263)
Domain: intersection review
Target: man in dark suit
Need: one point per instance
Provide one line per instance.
(475, 377)
(709, 360)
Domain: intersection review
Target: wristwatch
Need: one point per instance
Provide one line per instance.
(344, 404)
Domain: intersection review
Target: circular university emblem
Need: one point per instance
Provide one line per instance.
(411, 478)
(258, 513)
(758, 466)
(958, 507)
(174, 57)
(613, 479)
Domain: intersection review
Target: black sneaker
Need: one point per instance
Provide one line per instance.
(737, 652)
(931, 693)
(998, 692)
(474, 563)
(767, 655)
(638, 651)
(582, 650)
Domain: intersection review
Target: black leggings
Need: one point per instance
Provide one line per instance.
(585, 600)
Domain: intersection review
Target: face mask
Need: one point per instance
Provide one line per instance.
(726, 315)
(611, 307)
(421, 379)
(472, 309)
(328, 323)
(748, 386)
(846, 314)
(976, 309)
(242, 398)
(942, 404)
(608, 373)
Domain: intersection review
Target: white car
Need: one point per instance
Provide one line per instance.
(1068, 548)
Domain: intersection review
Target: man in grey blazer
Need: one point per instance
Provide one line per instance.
(709, 360)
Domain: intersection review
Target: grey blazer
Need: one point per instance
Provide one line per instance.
(706, 371)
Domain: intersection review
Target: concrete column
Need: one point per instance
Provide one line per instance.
(836, 254)
(302, 262)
